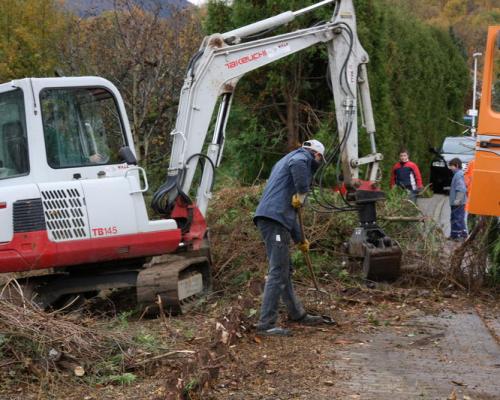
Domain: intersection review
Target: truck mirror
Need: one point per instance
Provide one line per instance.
(127, 156)
(433, 150)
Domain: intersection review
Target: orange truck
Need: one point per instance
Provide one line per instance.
(485, 190)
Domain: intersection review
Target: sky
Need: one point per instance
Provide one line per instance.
(197, 2)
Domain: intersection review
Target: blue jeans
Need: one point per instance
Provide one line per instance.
(412, 195)
(279, 279)
(458, 228)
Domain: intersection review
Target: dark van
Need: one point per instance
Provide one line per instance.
(453, 147)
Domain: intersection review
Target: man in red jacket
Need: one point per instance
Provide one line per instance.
(406, 174)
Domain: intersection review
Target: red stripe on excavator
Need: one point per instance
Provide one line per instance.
(3, 204)
(34, 250)
(198, 225)
(368, 186)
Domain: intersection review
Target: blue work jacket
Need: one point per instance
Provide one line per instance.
(292, 174)
(458, 185)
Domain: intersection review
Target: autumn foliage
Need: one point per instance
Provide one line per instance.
(30, 33)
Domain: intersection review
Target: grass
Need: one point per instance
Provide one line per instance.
(124, 379)
(122, 319)
(146, 340)
(372, 319)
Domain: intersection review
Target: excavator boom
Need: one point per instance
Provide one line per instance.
(213, 74)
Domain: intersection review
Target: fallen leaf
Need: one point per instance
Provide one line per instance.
(328, 383)
(79, 371)
(257, 340)
(453, 395)
(219, 327)
(225, 337)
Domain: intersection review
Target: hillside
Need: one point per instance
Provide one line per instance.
(95, 7)
(467, 20)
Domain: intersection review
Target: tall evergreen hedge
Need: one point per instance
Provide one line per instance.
(418, 80)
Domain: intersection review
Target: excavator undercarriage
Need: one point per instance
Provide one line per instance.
(172, 282)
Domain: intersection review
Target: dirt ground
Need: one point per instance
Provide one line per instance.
(389, 343)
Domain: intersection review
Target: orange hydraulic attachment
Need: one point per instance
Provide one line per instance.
(485, 188)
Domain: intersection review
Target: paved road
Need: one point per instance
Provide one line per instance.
(429, 358)
(438, 208)
(454, 354)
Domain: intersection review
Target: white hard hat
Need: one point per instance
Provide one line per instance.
(315, 145)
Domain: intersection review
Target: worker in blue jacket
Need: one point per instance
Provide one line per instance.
(458, 199)
(276, 219)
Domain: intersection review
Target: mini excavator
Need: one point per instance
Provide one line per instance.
(73, 218)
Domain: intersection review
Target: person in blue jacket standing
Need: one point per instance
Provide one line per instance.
(276, 219)
(458, 199)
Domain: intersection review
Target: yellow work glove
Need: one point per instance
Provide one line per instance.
(298, 200)
(304, 246)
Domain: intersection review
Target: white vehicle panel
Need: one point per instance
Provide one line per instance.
(110, 207)
(10, 196)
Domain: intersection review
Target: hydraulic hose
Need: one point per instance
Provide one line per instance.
(164, 198)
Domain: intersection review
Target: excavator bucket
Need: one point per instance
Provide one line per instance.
(382, 264)
(381, 255)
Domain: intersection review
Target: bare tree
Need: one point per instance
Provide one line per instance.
(143, 48)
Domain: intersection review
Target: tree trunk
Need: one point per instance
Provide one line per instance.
(292, 121)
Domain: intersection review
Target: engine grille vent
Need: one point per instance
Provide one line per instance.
(28, 216)
(65, 214)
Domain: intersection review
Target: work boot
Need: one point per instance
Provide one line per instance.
(311, 320)
(276, 331)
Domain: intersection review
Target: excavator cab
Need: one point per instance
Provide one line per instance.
(483, 198)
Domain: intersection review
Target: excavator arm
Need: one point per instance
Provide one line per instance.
(212, 76)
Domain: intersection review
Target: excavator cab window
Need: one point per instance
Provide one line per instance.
(495, 89)
(13, 140)
(82, 127)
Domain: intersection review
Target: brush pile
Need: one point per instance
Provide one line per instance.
(239, 255)
(39, 342)
(472, 260)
